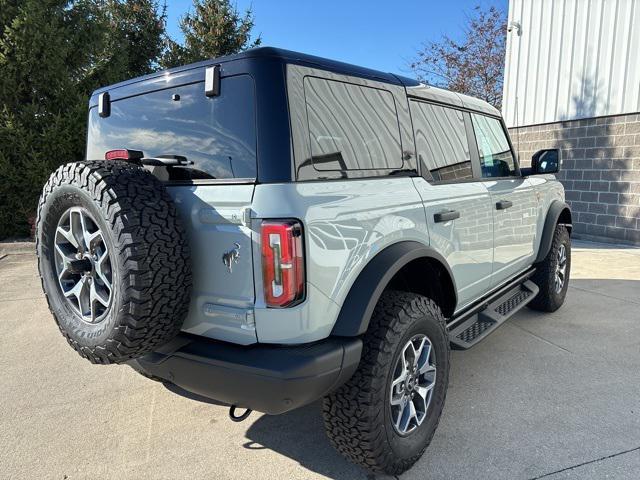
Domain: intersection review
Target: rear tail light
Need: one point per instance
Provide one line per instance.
(282, 263)
(123, 154)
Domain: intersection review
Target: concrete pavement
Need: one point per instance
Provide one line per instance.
(547, 396)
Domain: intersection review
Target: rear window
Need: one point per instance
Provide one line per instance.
(351, 127)
(218, 134)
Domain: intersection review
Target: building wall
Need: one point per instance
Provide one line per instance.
(573, 59)
(600, 171)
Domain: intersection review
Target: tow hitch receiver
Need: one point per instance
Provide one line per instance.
(238, 418)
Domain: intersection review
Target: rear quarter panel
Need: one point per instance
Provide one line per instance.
(345, 224)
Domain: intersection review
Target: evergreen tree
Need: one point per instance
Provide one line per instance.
(215, 28)
(133, 33)
(44, 47)
(53, 54)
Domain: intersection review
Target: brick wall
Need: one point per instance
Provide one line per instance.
(600, 172)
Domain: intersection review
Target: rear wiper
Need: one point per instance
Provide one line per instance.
(166, 161)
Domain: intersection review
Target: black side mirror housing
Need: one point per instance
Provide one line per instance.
(545, 161)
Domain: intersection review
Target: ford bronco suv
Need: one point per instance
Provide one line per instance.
(271, 228)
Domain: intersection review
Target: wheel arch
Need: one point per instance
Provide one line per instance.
(559, 213)
(407, 265)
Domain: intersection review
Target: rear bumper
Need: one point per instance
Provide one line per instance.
(268, 378)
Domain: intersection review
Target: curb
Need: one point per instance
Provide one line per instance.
(13, 248)
(604, 240)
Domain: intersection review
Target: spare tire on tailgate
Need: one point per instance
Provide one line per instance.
(113, 258)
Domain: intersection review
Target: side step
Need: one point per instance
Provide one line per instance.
(478, 326)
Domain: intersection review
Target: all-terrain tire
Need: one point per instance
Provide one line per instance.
(548, 299)
(357, 416)
(149, 258)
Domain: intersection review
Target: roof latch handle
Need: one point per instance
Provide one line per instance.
(212, 81)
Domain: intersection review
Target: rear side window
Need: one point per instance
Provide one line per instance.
(441, 142)
(351, 127)
(496, 158)
(218, 134)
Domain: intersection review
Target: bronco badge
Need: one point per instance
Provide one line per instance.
(231, 257)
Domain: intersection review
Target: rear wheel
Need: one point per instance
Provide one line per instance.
(113, 259)
(385, 416)
(552, 274)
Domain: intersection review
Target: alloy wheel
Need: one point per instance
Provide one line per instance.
(414, 378)
(561, 268)
(83, 265)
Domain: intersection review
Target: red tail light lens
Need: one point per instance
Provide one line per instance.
(282, 263)
(123, 154)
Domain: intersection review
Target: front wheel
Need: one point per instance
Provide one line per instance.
(552, 274)
(385, 416)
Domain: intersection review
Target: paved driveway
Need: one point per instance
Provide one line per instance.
(547, 396)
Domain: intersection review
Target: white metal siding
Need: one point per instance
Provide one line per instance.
(574, 59)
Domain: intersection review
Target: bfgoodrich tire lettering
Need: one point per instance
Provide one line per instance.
(149, 256)
(358, 417)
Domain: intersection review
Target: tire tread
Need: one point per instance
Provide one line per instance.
(547, 299)
(354, 418)
(151, 246)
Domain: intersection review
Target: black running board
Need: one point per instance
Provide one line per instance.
(478, 326)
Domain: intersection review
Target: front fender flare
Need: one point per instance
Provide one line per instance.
(559, 212)
(365, 292)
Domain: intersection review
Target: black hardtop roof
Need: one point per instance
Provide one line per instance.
(286, 56)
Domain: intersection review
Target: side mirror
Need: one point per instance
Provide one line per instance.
(545, 161)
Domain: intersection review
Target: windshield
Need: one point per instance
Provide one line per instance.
(217, 134)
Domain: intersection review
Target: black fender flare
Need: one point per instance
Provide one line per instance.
(559, 212)
(365, 292)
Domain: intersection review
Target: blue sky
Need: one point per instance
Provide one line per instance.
(374, 33)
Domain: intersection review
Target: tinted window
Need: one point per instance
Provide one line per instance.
(441, 141)
(216, 133)
(496, 159)
(351, 127)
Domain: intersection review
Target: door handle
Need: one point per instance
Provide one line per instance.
(503, 205)
(446, 216)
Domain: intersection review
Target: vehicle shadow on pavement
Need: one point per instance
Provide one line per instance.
(299, 435)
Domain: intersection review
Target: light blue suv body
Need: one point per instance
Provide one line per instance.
(270, 229)
(310, 189)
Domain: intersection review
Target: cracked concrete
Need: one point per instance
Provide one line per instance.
(547, 396)
(592, 466)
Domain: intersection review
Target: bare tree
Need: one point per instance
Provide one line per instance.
(473, 65)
